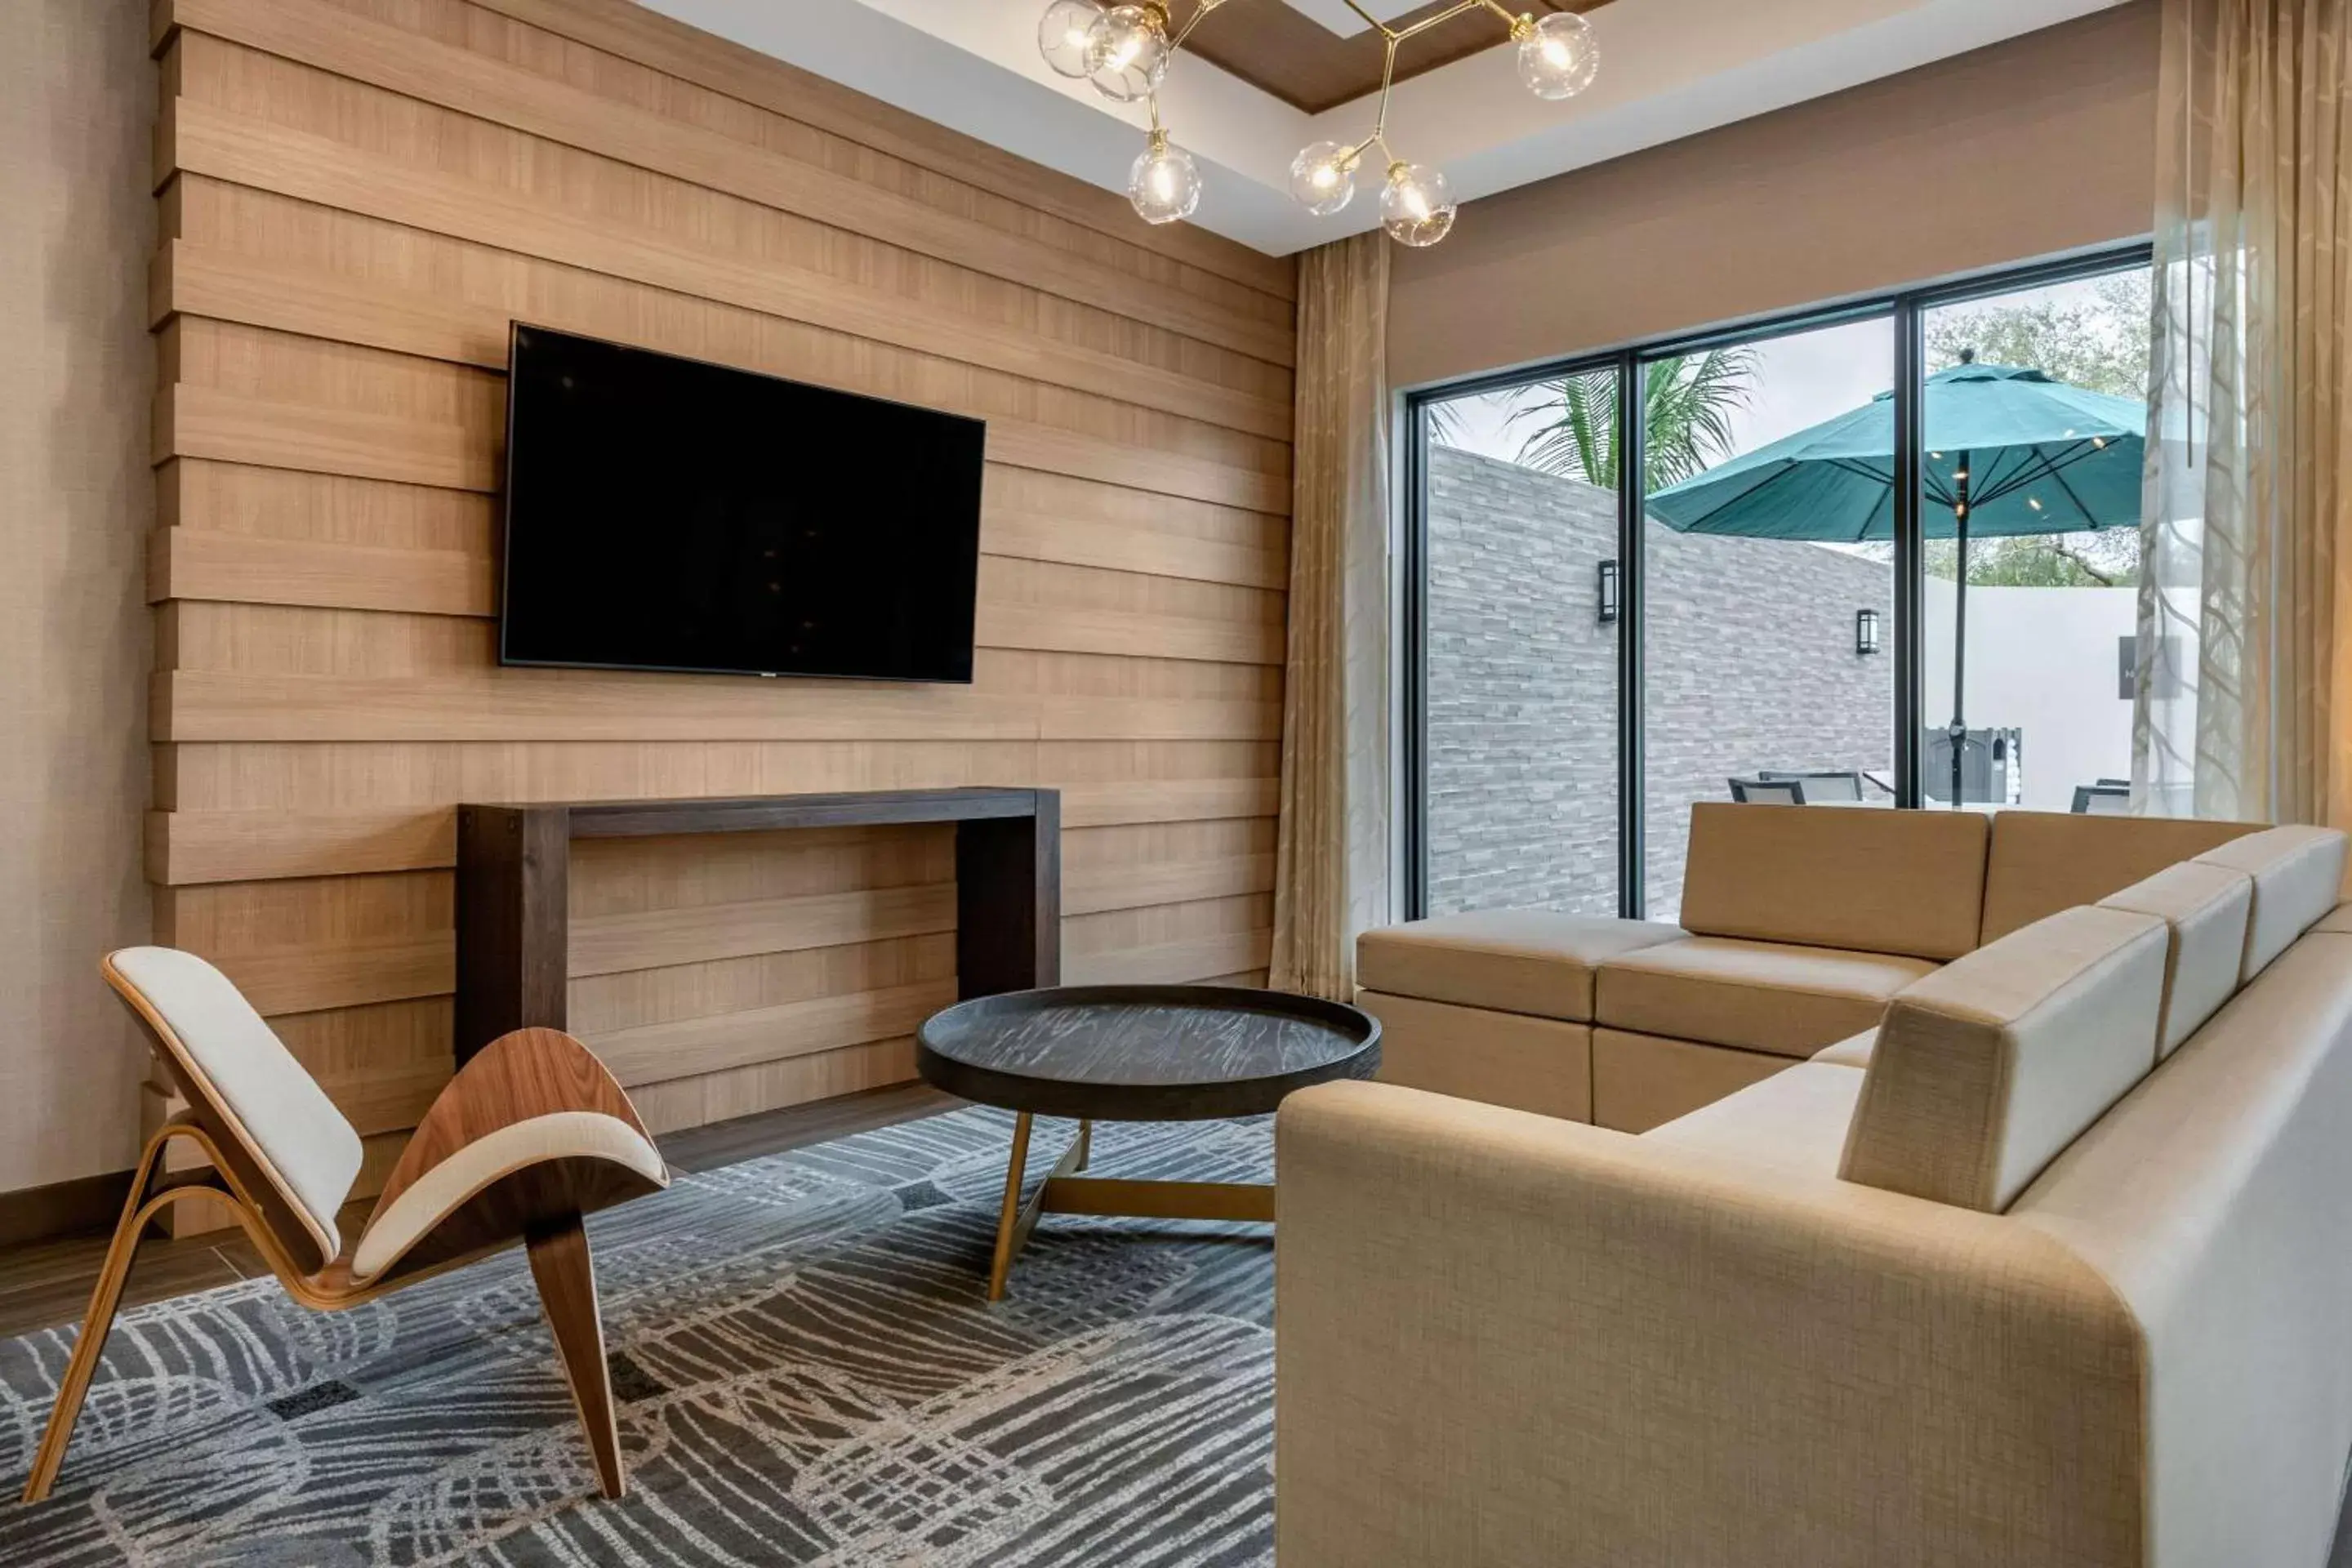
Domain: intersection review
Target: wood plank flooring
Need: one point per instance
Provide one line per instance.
(48, 1283)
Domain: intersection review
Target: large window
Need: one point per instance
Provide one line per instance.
(1785, 622)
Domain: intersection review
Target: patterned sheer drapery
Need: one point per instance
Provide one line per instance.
(2244, 696)
(1331, 853)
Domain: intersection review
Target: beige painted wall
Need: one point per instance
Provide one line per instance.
(77, 225)
(2034, 147)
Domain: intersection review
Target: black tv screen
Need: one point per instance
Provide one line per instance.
(661, 513)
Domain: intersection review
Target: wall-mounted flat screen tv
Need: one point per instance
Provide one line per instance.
(661, 513)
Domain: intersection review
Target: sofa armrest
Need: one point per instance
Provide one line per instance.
(1510, 1341)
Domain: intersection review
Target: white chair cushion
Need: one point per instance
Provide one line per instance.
(286, 1122)
(442, 1190)
(2298, 876)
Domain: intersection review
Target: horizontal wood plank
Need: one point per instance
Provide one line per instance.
(1170, 963)
(689, 1047)
(1094, 888)
(518, 705)
(315, 978)
(678, 1103)
(653, 938)
(193, 563)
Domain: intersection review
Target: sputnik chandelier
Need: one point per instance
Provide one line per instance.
(1125, 50)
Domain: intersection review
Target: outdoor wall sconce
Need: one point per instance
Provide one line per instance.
(1866, 631)
(1608, 592)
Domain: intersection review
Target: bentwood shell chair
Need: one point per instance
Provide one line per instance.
(530, 1135)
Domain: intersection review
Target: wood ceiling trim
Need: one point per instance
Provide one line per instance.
(1284, 52)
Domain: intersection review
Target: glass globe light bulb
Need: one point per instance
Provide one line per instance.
(1127, 52)
(1323, 177)
(1165, 184)
(1417, 207)
(1558, 56)
(1062, 35)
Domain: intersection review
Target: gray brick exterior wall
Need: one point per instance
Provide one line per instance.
(1751, 665)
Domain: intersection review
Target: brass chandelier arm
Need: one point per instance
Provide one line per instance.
(1557, 58)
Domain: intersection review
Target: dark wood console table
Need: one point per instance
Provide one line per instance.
(514, 875)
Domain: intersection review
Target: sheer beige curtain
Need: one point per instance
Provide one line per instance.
(2245, 704)
(1331, 858)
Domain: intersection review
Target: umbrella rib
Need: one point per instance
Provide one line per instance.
(2052, 470)
(2059, 479)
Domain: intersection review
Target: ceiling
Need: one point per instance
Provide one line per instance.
(1669, 69)
(1296, 53)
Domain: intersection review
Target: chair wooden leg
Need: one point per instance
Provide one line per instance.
(566, 1277)
(105, 1300)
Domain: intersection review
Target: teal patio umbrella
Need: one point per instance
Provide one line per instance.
(2010, 452)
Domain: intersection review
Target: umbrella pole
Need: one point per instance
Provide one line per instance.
(1959, 731)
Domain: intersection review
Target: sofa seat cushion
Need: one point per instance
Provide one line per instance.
(1512, 961)
(1852, 1052)
(1641, 1081)
(2298, 876)
(1793, 1122)
(1755, 995)
(2337, 921)
(1542, 1065)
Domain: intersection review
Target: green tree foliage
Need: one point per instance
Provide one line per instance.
(1687, 425)
(2100, 344)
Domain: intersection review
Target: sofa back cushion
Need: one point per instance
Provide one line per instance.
(1985, 1070)
(1907, 882)
(2298, 876)
(2206, 908)
(2045, 861)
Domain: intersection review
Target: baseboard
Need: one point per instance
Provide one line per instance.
(63, 1208)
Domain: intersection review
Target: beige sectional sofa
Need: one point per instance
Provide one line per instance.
(1797, 927)
(2053, 1265)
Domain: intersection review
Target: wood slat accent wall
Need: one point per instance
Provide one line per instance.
(357, 198)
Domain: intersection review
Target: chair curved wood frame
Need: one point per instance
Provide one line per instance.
(526, 1074)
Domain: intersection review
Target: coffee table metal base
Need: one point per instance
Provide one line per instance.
(1063, 1191)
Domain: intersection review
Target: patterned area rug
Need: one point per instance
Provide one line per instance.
(807, 1370)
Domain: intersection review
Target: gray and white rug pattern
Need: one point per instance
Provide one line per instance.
(808, 1374)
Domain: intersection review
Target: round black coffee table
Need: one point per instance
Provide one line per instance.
(1136, 1053)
